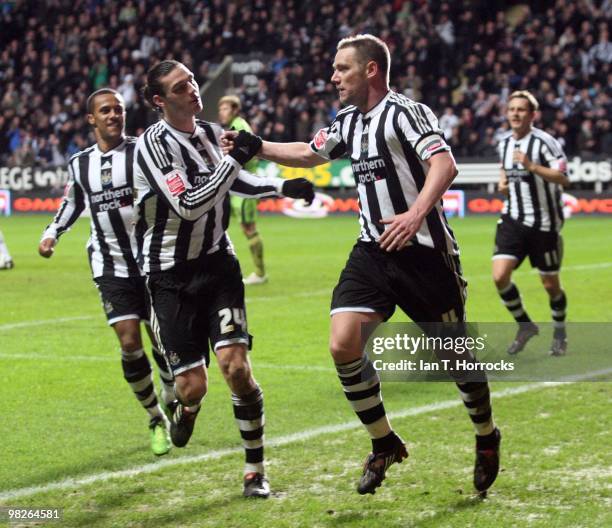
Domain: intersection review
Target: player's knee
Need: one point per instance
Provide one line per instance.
(193, 394)
(236, 370)
(552, 286)
(501, 279)
(248, 229)
(191, 387)
(130, 342)
(342, 349)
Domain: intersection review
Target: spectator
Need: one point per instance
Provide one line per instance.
(448, 122)
(586, 139)
(467, 59)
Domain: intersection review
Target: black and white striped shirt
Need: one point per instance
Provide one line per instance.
(388, 148)
(533, 201)
(182, 183)
(103, 181)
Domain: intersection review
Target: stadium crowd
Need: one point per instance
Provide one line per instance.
(460, 58)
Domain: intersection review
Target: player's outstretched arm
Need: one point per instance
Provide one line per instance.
(291, 154)
(295, 154)
(249, 186)
(190, 203)
(403, 227)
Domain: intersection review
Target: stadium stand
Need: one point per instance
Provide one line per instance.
(471, 55)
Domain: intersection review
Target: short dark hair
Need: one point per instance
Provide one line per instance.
(369, 48)
(101, 91)
(154, 86)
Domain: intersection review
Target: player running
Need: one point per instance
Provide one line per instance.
(533, 174)
(182, 181)
(406, 254)
(101, 177)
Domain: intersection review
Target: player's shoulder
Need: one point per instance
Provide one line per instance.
(345, 112)
(212, 130)
(151, 135)
(505, 136)
(208, 124)
(130, 140)
(154, 130)
(544, 136)
(81, 153)
(401, 101)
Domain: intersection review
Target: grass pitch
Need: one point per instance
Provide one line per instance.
(75, 438)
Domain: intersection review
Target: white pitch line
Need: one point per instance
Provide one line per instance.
(42, 322)
(310, 293)
(46, 357)
(110, 359)
(305, 294)
(577, 267)
(274, 442)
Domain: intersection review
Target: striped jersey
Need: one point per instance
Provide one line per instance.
(388, 148)
(182, 181)
(103, 181)
(533, 201)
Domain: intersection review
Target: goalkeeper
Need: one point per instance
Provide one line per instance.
(244, 208)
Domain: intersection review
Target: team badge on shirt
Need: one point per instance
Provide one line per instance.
(106, 171)
(173, 358)
(106, 177)
(175, 184)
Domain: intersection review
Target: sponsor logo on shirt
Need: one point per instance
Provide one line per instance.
(199, 179)
(110, 199)
(175, 184)
(320, 138)
(517, 175)
(369, 170)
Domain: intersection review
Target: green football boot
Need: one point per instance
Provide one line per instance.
(160, 437)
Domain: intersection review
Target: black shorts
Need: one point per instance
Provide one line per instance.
(515, 240)
(123, 298)
(197, 302)
(425, 283)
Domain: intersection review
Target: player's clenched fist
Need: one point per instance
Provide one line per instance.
(299, 188)
(244, 146)
(227, 140)
(45, 248)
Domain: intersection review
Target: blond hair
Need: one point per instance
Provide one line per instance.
(524, 94)
(232, 100)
